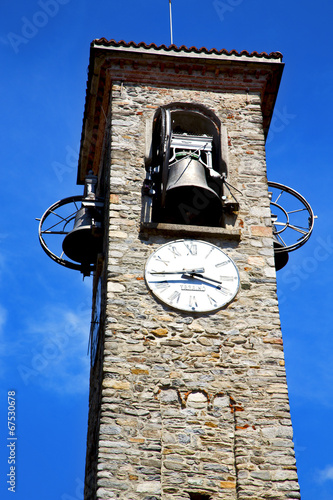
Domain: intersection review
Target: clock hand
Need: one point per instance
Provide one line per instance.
(201, 277)
(199, 274)
(182, 271)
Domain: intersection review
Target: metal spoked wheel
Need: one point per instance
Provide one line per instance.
(55, 224)
(292, 217)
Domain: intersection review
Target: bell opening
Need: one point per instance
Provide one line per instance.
(193, 205)
(189, 198)
(280, 257)
(85, 241)
(83, 245)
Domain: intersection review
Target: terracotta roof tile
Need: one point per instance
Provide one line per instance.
(183, 48)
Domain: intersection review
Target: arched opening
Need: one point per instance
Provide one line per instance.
(199, 496)
(186, 169)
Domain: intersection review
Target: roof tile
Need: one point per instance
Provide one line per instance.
(183, 48)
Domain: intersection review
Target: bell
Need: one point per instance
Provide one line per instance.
(281, 256)
(189, 199)
(85, 241)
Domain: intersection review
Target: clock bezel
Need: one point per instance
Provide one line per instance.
(199, 282)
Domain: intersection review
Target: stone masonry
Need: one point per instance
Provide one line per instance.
(185, 406)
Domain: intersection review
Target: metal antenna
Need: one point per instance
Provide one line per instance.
(171, 37)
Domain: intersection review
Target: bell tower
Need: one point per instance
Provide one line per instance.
(188, 391)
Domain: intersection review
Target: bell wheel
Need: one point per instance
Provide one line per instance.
(292, 217)
(56, 222)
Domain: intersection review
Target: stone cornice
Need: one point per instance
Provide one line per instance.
(187, 231)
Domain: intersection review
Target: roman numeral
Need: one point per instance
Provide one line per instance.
(159, 259)
(162, 286)
(210, 251)
(212, 301)
(174, 251)
(192, 302)
(221, 264)
(223, 290)
(174, 296)
(192, 248)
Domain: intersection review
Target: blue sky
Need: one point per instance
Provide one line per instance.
(45, 308)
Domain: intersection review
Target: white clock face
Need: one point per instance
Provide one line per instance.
(192, 275)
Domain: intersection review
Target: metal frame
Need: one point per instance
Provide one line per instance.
(280, 226)
(61, 230)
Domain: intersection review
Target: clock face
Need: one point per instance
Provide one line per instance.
(192, 275)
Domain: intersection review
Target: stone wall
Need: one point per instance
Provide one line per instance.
(191, 403)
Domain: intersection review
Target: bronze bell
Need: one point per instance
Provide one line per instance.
(189, 199)
(85, 241)
(281, 256)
